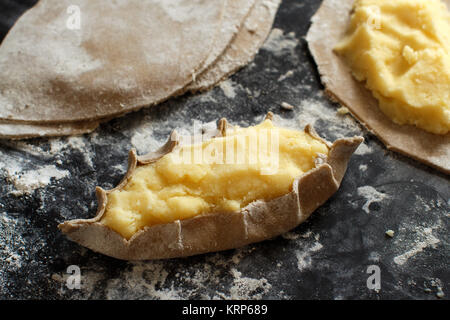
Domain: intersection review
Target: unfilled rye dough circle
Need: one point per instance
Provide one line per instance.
(125, 55)
(253, 19)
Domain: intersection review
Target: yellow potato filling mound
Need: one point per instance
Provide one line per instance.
(401, 49)
(217, 175)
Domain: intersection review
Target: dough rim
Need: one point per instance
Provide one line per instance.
(212, 232)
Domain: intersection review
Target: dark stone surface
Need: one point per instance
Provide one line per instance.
(325, 258)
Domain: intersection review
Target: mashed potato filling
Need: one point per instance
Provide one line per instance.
(217, 175)
(401, 49)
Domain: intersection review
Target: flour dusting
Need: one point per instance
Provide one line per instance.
(426, 239)
(371, 195)
(147, 281)
(12, 245)
(228, 88)
(26, 182)
(304, 259)
(363, 167)
(248, 288)
(312, 110)
(152, 280)
(279, 43)
(363, 149)
(143, 140)
(79, 143)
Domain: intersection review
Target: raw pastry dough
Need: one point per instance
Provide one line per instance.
(329, 25)
(243, 48)
(126, 55)
(260, 220)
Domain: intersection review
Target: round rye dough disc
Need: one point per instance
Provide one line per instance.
(243, 47)
(24, 130)
(234, 14)
(251, 21)
(77, 60)
(329, 25)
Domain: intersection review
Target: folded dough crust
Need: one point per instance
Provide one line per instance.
(258, 221)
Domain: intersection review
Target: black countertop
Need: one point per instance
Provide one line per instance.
(46, 181)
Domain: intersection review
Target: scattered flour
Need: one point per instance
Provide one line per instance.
(427, 239)
(57, 145)
(371, 195)
(26, 182)
(147, 281)
(311, 110)
(278, 43)
(121, 168)
(206, 96)
(229, 88)
(248, 288)
(24, 146)
(12, 246)
(291, 235)
(152, 280)
(26, 175)
(363, 149)
(79, 143)
(304, 259)
(143, 139)
(214, 277)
